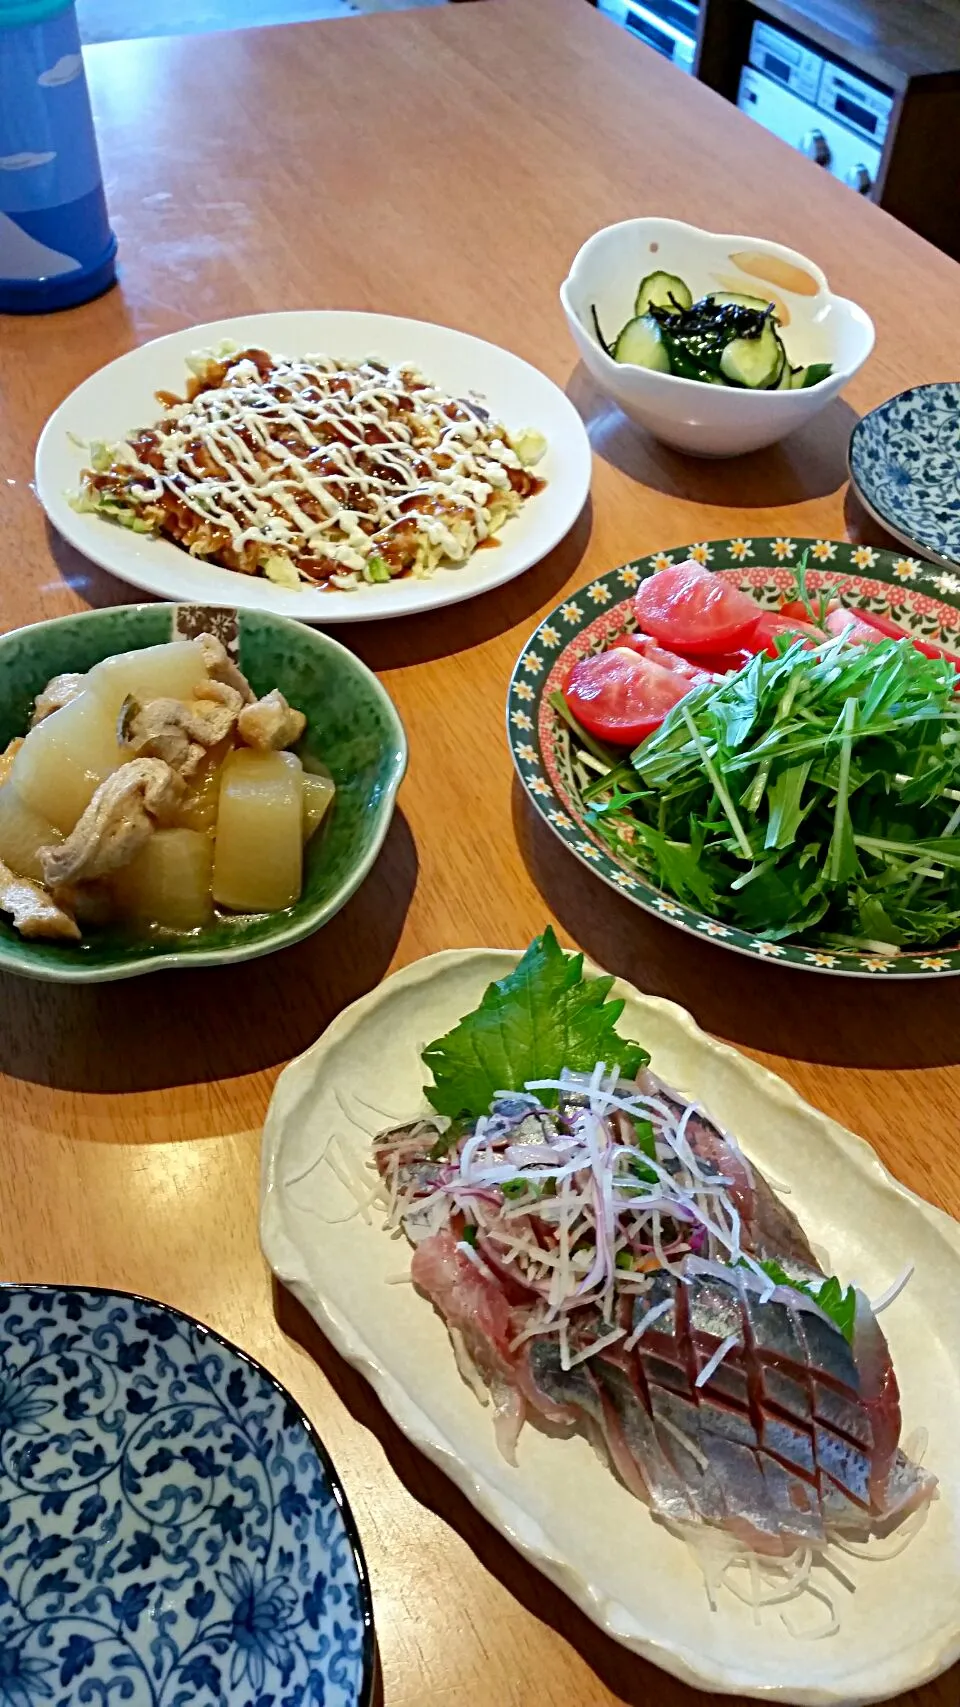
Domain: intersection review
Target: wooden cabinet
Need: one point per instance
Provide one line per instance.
(911, 47)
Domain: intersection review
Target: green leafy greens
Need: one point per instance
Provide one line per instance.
(540, 1018)
(815, 795)
(839, 1305)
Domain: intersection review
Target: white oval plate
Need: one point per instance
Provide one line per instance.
(562, 1508)
(120, 398)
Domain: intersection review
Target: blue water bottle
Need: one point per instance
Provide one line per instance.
(56, 245)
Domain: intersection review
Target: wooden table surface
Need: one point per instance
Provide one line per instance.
(445, 164)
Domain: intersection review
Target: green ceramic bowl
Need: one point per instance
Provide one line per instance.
(352, 726)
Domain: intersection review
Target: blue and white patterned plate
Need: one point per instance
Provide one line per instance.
(904, 461)
(172, 1532)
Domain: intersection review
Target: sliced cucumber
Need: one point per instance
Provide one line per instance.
(732, 299)
(641, 345)
(661, 290)
(754, 362)
(786, 380)
(804, 377)
(783, 369)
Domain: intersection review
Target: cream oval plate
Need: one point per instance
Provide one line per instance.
(121, 397)
(562, 1508)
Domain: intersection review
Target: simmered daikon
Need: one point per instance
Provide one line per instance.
(168, 882)
(156, 672)
(258, 864)
(65, 758)
(22, 832)
(318, 791)
(7, 757)
(199, 810)
(150, 805)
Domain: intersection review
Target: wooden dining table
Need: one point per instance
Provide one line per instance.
(444, 164)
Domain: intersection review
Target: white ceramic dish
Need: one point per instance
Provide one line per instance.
(121, 397)
(562, 1508)
(711, 420)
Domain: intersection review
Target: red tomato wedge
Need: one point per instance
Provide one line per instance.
(864, 628)
(620, 696)
(774, 623)
(696, 674)
(893, 631)
(690, 609)
(797, 608)
(725, 663)
(857, 631)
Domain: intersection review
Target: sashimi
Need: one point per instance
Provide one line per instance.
(607, 1257)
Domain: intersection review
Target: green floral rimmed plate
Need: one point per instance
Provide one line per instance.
(921, 596)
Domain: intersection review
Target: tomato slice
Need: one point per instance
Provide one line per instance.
(621, 696)
(797, 608)
(725, 663)
(857, 631)
(696, 674)
(775, 623)
(692, 610)
(893, 631)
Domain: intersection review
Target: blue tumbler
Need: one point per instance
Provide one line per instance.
(56, 245)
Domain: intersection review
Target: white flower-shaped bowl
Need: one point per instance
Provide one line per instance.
(689, 414)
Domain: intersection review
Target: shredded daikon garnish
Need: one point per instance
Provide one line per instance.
(645, 1321)
(363, 1194)
(571, 1204)
(889, 1546)
(886, 1298)
(595, 1346)
(715, 1361)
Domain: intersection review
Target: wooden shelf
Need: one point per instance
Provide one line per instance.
(912, 47)
(892, 40)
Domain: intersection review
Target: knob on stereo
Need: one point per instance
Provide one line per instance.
(816, 146)
(859, 179)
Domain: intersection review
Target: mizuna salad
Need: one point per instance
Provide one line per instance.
(605, 1257)
(794, 773)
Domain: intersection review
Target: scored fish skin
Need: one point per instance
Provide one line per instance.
(793, 1435)
(774, 1331)
(629, 1418)
(770, 1229)
(798, 1503)
(847, 1415)
(566, 1389)
(790, 1442)
(827, 1352)
(789, 1395)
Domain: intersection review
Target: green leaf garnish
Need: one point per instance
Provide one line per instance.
(646, 1137)
(839, 1305)
(542, 1017)
(455, 1131)
(513, 1188)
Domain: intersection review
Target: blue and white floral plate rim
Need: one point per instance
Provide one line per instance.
(183, 1534)
(903, 458)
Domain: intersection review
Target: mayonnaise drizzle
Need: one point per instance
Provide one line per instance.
(301, 437)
